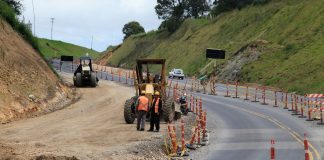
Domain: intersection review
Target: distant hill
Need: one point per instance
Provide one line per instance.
(278, 44)
(53, 48)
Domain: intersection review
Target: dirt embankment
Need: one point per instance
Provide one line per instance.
(28, 87)
(103, 60)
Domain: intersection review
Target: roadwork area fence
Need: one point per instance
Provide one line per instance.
(310, 106)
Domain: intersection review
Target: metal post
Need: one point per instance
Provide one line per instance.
(61, 66)
(52, 21)
(184, 88)
(264, 96)
(275, 94)
(255, 95)
(321, 112)
(227, 92)
(292, 102)
(236, 90)
(286, 101)
(247, 93)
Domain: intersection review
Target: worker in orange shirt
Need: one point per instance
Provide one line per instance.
(142, 109)
(155, 110)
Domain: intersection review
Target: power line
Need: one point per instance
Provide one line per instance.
(52, 21)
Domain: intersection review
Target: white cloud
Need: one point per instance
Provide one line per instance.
(76, 21)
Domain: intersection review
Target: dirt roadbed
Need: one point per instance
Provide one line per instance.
(91, 128)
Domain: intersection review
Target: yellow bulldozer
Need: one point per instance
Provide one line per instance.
(150, 76)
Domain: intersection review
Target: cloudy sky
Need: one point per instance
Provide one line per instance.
(76, 21)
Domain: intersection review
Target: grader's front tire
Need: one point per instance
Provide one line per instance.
(168, 110)
(129, 115)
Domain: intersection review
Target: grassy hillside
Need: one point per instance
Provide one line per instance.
(293, 57)
(52, 48)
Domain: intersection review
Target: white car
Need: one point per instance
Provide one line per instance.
(176, 73)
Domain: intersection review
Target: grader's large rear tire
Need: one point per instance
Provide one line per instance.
(168, 110)
(93, 79)
(129, 114)
(78, 81)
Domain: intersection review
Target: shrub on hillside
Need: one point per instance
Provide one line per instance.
(9, 15)
(16, 5)
(173, 24)
(26, 33)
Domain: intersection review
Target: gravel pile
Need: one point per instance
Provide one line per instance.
(145, 150)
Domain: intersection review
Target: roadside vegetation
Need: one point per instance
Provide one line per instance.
(291, 56)
(9, 11)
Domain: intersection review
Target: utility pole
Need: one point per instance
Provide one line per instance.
(34, 18)
(52, 21)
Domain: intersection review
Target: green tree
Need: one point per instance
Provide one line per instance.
(16, 5)
(132, 28)
(197, 8)
(165, 9)
(173, 12)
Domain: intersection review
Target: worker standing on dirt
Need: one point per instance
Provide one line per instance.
(142, 109)
(156, 109)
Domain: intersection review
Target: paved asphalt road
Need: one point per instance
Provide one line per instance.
(242, 130)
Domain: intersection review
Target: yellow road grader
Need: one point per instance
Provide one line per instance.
(150, 77)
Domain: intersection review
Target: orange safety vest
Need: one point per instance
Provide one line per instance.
(143, 103)
(156, 106)
(314, 109)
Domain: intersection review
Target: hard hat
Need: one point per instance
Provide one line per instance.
(143, 92)
(157, 93)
